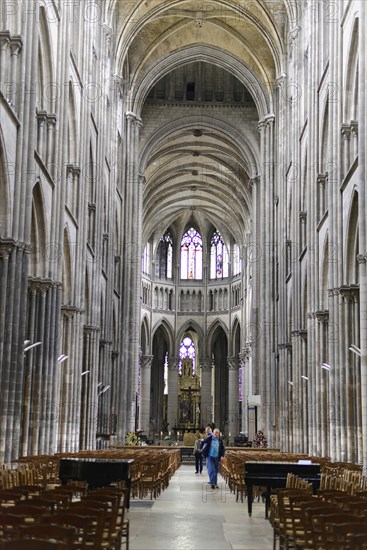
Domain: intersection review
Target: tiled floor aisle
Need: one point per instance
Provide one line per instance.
(189, 515)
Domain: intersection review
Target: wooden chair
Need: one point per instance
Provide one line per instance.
(339, 533)
(285, 527)
(56, 500)
(61, 533)
(83, 524)
(31, 513)
(357, 541)
(148, 480)
(10, 525)
(97, 512)
(32, 544)
(302, 534)
(121, 528)
(111, 504)
(323, 528)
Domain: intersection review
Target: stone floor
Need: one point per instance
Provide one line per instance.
(189, 515)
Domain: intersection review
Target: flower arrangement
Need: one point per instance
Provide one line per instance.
(132, 439)
(260, 440)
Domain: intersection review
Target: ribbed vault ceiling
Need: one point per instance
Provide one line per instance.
(198, 173)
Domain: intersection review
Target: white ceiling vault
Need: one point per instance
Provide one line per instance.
(198, 162)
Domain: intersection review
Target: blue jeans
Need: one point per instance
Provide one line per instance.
(212, 465)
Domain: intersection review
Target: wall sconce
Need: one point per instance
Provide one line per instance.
(355, 350)
(31, 346)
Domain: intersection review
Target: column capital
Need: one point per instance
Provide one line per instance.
(5, 38)
(90, 329)
(130, 115)
(349, 293)
(345, 131)
(51, 121)
(146, 361)
(286, 345)
(303, 216)
(6, 247)
(321, 179)
(233, 362)
(41, 285)
(354, 127)
(16, 44)
(206, 364)
(293, 35)
(261, 126)
(41, 116)
(269, 119)
(245, 353)
(69, 311)
(173, 363)
(255, 180)
(281, 80)
(322, 315)
(303, 334)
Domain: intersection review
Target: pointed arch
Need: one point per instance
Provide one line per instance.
(46, 89)
(216, 324)
(191, 325)
(38, 241)
(324, 275)
(5, 207)
(115, 338)
(351, 77)
(352, 242)
(191, 257)
(67, 275)
(166, 328)
(87, 308)
(324, 142)
(235, 343)
(73, 140)
(144, 336)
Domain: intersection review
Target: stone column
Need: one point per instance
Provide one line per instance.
(131, 272)
(322, 383)
(244, 357)
(362, 207)
(233, 396)
(172, 401)
(206, 368)
(345, 132)
(145, 374)
(5, 37)
(350, 392)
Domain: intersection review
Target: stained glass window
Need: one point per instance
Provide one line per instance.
(187, 350)
(146, 260)
(218, 257)
(191, 255)
(237, 262)
(164, 256)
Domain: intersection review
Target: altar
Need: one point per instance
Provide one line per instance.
(188, 398)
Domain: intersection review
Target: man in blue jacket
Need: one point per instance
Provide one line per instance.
(213, 450)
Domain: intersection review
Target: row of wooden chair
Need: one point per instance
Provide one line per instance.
(326, 521)
(97, 521)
